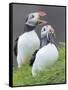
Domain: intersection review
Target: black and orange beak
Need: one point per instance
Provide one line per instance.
(41, 14)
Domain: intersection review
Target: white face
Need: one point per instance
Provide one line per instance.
(32, 19)
(44, 31)
(47, 29)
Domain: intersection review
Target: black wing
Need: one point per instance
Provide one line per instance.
(15, 46)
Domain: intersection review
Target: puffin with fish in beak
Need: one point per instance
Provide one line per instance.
(48, 54)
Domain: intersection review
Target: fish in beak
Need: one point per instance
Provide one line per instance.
(51, 34)
(52, 31)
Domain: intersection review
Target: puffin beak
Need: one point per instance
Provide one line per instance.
(41, 14)
(51, 30)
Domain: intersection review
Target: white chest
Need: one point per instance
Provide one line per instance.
(45, 57)
(27, 44)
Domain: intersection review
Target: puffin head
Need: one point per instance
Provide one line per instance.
(48, 32)
(34, 19)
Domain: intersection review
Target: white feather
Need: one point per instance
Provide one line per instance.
(27, 44)
(45, 57)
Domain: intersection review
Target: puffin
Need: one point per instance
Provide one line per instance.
(45, 32)
(27, 43)
(48, 54)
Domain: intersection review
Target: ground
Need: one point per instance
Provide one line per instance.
(53, 75)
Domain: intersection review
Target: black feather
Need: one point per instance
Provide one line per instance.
(33, 58)
(15, 46)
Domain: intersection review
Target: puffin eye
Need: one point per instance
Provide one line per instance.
(44, 29)
(32, 17)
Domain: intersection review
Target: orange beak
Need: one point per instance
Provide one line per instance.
(41, 14)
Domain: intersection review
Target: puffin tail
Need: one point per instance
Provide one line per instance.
(15, 46)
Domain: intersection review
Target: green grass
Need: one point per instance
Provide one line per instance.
(53, 75)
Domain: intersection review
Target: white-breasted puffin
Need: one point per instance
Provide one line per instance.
(28, 42)
(48, 54)
(46, 37)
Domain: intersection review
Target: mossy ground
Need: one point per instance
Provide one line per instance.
(53, 75)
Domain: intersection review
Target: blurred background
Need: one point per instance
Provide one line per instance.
(55, 17)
